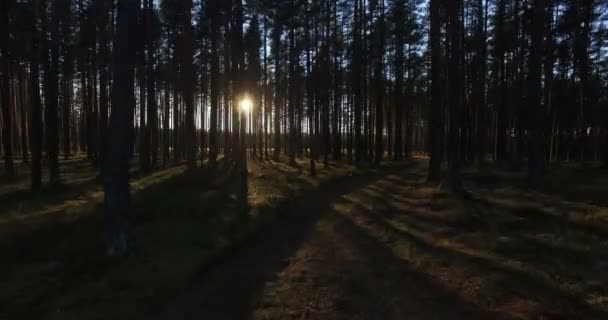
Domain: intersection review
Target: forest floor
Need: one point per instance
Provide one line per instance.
(366, 243)
(52, 264)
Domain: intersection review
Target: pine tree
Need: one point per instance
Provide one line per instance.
(7, 124)
(116, 186)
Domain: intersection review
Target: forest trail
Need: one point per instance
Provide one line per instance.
(379, 246)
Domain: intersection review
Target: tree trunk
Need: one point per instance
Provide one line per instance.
(142, 71)
(35, 126)
(51, 109)
(22, 84)
(380, 88)
(152, 131)
(116, 187)
(213, 116)
(7, 125)
(188, 84)
(277, 100)
(456, 92)
(535, 94)
(103, 80)
(435, 113)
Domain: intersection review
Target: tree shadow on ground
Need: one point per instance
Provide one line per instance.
(494, 249)
(477, 258)
(79, 179)
(373, 283)
(229, 288)
(58, 264)
(23, 201)
(586, 185)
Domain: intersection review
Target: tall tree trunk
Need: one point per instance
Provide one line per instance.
(435, 113)
(166, 129)
(66, 109)
(227, 79)
(357, 81)
(500, 84)
(581, 51)
(337, 144)
(116, 187)
(535, 94)
(549, 76)
(51, 109)
(188, 84)
(213, 114)
(291, 95)
(152, 131)
(399, 60)
(238, 116)
(380, 88)
(142, 71)
(7, 125)
(103, 79)
(22, 84)
(456, 91)
(482, 119)
(35, 119)
(276, 34)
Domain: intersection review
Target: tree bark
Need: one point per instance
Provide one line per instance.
(456, 92)
(535, 94)
(213, 116)
(188, 84)
(116, 177)
(7, 125)
(51, 108)
(435, 117)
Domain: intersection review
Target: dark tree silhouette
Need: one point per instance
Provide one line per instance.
(116, 173)
(7, 125)
(435, 111)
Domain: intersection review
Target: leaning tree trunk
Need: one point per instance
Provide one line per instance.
(116, 175)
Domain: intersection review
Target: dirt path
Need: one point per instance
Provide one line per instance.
(317, 263)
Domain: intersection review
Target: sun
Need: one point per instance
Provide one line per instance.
(245, 104)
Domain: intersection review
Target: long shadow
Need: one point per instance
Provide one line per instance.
(542, 217)
(79, 178)
(576, 184)
(12, 201)
(228, 289)
(39, 239)
(282, 167)
(510, 279)
(70, 251)
(381, 286)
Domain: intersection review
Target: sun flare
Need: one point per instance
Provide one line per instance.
(245, 105)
